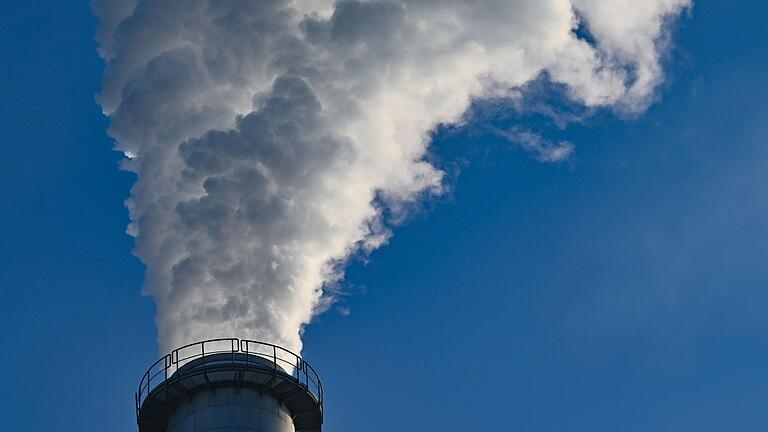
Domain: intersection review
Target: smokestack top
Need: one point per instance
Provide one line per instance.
(230, 363)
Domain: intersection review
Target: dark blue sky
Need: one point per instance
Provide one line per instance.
(625, 291)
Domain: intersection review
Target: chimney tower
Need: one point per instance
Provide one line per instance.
(230, 385)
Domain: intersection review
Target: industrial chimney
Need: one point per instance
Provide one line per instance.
(230, 385)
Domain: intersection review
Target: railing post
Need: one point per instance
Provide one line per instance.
(165, 372)
(298, 369)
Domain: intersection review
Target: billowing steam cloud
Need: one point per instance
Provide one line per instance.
(268, 135)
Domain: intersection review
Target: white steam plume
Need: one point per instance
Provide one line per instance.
(267, 134)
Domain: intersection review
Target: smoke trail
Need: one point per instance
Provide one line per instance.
(268, 135)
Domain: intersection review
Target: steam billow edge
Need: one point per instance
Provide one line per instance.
(268, 137)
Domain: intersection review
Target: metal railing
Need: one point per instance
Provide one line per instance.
(283, 361)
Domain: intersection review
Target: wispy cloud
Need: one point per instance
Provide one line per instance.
(541, 148)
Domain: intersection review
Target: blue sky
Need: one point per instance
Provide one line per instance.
(625, 290)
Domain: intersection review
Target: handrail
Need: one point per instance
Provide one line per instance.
(296, 367)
